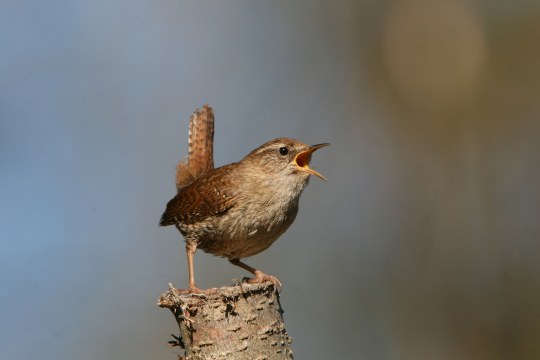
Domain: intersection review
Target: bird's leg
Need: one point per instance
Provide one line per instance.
(191, 247)
(259, 275)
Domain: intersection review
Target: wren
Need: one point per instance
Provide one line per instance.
(238, 210)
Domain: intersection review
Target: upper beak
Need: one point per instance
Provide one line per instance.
(303, 158)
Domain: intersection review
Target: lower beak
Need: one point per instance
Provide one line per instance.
(303, 158)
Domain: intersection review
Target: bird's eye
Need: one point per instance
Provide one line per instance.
(283, 150)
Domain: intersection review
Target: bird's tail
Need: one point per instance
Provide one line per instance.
(201, 148)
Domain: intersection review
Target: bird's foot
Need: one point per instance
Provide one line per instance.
(261, 277)
(190, 290)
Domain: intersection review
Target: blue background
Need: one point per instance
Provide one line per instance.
(422, 245)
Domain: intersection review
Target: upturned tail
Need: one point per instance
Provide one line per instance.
(201, 148)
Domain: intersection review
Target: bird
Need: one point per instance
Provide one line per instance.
(237, 210)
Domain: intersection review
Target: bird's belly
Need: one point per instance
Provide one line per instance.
(240, 237)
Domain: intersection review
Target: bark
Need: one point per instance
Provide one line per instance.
(236, 322)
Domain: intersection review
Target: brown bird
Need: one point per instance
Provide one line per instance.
(240, 209)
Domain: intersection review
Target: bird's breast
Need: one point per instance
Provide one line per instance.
(250, 228)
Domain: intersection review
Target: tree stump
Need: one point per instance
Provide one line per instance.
(243, 321)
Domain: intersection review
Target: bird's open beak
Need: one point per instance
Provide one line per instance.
(303, 158)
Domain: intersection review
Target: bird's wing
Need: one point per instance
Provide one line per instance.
(201, 148)
(207, 196)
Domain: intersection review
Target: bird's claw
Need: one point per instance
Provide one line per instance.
(190, 290)
(261, 277)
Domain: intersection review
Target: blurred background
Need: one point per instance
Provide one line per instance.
(424, 244)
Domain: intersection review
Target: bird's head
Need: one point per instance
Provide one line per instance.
(285, 157)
